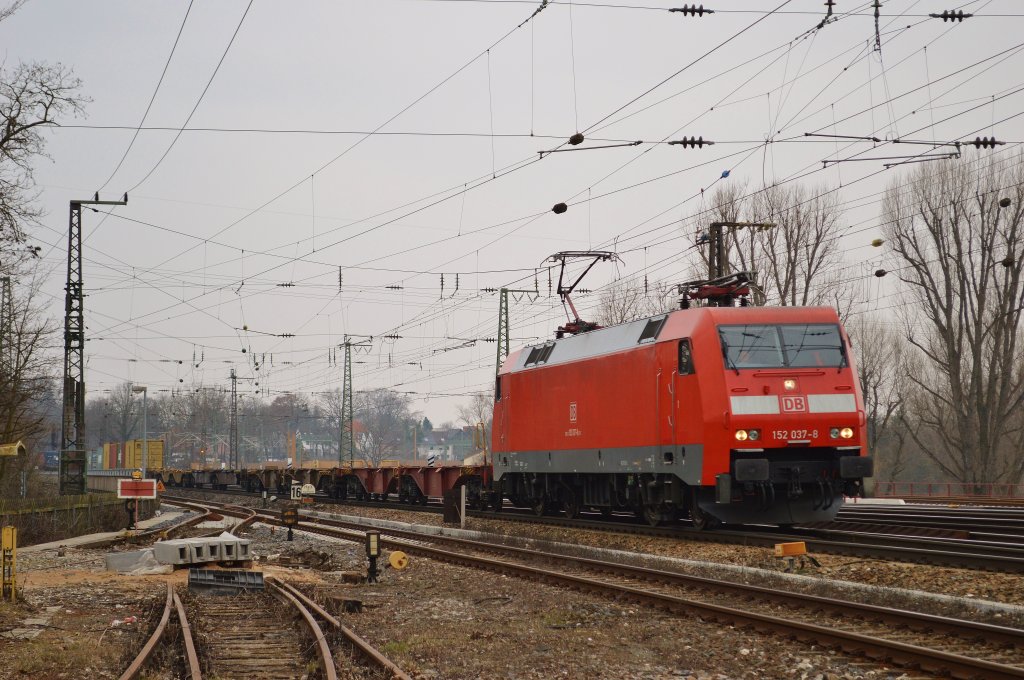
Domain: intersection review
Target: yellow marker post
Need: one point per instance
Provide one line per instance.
(8, 562)
(791, 552)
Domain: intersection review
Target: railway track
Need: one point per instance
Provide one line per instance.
(246, 636)
(875, 540)
(939, 645)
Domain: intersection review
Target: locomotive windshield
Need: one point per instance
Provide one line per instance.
(782, 346)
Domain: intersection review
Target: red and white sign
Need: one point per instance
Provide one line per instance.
(572, 411)
(793, 404)
(136, 488)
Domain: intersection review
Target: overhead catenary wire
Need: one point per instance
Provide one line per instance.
(464, 195)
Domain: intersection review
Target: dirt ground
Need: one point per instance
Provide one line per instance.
(435, 620)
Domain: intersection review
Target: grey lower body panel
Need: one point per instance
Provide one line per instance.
(685, 461)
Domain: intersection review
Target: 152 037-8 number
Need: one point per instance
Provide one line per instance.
(791, 435)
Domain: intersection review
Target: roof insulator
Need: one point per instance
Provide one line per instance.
(576, 139)
(559, 208)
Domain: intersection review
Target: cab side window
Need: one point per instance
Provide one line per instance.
(497, 388)
(685, 357)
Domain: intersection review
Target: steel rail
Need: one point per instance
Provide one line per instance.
(948, 553)
(354, 639)
(877, 648)
(190, 647)
(147, 650)
(959, 627)
(245, 523)
(323, 649)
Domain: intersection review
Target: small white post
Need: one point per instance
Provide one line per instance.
(462, 506)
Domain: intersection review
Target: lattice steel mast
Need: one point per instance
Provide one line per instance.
(72, 441)
(346, 434)
(233, 435)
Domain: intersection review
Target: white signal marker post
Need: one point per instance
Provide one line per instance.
(462, 506)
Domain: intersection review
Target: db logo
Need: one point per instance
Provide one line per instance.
(794, 404)
(572, 411)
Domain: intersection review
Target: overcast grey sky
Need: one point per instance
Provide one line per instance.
(194, 265)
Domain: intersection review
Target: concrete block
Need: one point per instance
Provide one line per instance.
(176, 552)
(135, 562)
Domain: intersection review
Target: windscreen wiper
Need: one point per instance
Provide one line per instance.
(729, 363)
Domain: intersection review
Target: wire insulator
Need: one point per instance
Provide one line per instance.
(559, 208)
(951, 15)
(880, 273)
(986, 143)
(691, 142)
(692, 11)
(576, 139)
(1005, 202)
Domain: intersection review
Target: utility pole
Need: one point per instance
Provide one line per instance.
(72, 442)
(718, 254)
(502, 328)
(233, 436)
(347, 442)
(503, 324)
(721, 289)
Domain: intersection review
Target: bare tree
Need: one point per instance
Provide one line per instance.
(626, 300)
(480, 409)
(883, 366)
(385, 419)
(11, 8)
(124, 415)
(32, 96)
(331, 403)
(790, 259)
(27, 380)
(958, 233)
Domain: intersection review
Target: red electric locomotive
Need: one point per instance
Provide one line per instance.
(725, 414)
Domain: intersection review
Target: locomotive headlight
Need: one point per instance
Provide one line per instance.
(754, 435)
(846, 433)
(789, 384)
(741, 435)
(834, 433)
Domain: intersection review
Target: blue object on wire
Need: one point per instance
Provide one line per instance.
(725, 173)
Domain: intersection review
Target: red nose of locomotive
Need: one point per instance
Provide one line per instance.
(793, 425)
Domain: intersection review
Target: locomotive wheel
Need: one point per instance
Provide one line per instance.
(570, 504)
(539, 507)
(653, 515)
(701, 520)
